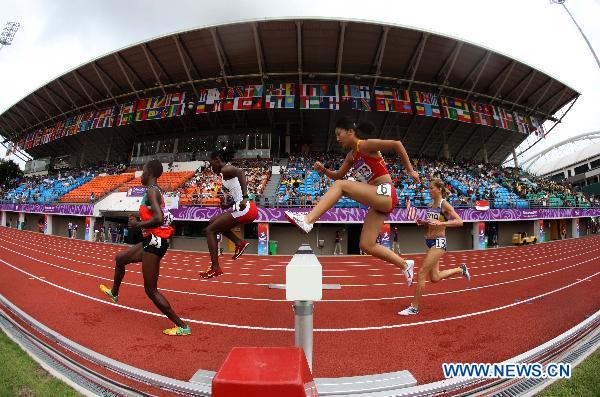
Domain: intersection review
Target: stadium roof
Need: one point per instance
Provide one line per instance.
(564, 154)
(302, 51)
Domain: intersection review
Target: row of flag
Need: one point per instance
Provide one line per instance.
(283, 96)
(153, 108)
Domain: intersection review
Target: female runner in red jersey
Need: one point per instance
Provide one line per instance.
(156, 225)
(373, 187)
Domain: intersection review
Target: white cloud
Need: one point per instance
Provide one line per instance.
(59, 35)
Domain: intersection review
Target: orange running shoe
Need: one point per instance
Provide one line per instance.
(240, 248)
(210, 273)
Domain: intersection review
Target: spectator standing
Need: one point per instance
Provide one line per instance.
(395, 244)
(338, 243)
(74, 233)
(70, 229)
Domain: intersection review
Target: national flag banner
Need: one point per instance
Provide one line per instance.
(455, 109)
(426, 104)
(104, 118)
(68, 125)
(319, 96)
(522, 122)
(411, 212)
(392, 100)
(126, 114)
(243, 97)
(482, 114)
(37, 136)
(46, 135)
(280, 96)
(160, 107)
(482, 205)
(85, 124)
(210, 100)
(536, 127)
(359, 96)
(503, 118)
(20, 144)
(59, 129)
(29, 140)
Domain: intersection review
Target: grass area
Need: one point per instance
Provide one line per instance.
(584, 382)
(21, 376)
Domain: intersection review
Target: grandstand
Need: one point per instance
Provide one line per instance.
(273, 89)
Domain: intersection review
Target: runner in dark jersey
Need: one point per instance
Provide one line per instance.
(155, 221)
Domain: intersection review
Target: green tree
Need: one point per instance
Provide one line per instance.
(9, 171)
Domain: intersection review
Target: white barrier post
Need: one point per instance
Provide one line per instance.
(304, 285)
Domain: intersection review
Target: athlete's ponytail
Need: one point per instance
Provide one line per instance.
(346, 123)
(442, 186)
(226, 154)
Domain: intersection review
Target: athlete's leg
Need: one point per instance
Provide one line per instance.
(150, 270)
(220, 224)
(368, 236)
(437, 275)
(130, 255)
(432, 258)
(363, 193)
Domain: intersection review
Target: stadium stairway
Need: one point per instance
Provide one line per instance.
(271, 188)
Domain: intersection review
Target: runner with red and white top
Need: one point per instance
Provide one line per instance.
(373, 187)
(243, 210)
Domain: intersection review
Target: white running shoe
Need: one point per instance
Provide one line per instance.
(409, 272)
(409, 311)
(465, 271)
(299, 219)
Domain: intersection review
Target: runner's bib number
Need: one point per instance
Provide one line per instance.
(440, 243)
(385, 189)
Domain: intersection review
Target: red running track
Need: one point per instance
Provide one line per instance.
(518, 298)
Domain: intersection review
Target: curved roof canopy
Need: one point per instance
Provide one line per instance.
(299, 50)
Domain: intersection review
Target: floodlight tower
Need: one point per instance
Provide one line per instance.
(8, 34)
(562, 3)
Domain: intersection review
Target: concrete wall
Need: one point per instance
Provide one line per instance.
(59, 225)
(31, 221)
(12, 217)
(507, 229)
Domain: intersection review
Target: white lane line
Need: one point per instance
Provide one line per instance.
(249, 327)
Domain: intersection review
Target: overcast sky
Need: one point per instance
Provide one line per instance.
(58, 35)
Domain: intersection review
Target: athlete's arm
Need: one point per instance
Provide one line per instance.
(453, 220)
(157, 217)
(339, 174)
(241, 175)
(376, 145)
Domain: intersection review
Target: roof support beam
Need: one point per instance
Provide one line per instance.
(220, 55)
(62, 87)
(467, 142)
(24, 102)
(448, 66)
(506, 72)
(299, 48)
(108, 91)
(48, 92)
(558, 99)
(158, 82)
(426, 141)
(29, 125)
(546, 88)
(184, 63)
(36, 97)
(158, 63)
(415, 61)
(261, 68)
(481, 65)
(117, 58)
(85, 91)
(380, 52)
(340, 53)
(487, 141)
(529, 80)
(10, 116)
